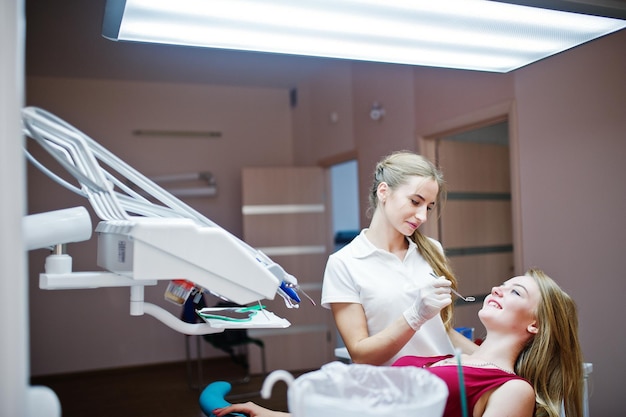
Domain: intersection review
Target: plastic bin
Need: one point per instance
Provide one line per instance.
(344, 390)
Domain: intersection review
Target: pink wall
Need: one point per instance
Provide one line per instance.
(445, 94)
(391, 86)
(572, 144)
(323, 117)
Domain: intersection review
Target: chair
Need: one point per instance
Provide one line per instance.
(232, 341)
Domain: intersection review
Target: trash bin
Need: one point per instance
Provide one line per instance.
(344, 390)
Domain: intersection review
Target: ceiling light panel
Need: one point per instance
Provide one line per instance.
(465, 34)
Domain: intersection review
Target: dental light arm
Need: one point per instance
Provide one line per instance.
(141, 240)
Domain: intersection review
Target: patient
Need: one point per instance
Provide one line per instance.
(530, 362)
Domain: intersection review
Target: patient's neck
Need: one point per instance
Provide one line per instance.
(502, 350)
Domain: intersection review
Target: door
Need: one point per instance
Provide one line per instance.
(475, 227)
(285, 216)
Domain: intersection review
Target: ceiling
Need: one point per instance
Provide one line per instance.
(63, 39)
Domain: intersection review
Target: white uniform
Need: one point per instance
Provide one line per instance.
(385, 286)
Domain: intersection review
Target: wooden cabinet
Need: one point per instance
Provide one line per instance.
(285, 216)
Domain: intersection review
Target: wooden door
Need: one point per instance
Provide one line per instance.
(285, 216)
(475, 227)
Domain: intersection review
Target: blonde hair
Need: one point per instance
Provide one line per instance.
(395, 170)
(552, 359)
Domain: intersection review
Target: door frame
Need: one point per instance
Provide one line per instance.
(504, 111)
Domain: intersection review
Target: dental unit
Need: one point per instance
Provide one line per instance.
(145, 235)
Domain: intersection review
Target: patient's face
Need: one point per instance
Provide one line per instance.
(511, 307)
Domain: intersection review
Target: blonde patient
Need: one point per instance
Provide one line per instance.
(530, 363)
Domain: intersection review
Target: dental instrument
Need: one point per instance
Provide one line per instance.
(468, 299)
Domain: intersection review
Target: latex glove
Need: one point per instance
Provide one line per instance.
(429, 302)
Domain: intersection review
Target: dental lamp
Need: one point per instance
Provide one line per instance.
(145, 235)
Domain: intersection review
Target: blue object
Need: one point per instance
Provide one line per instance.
(212, 397)
(290, 291)
(466, 331)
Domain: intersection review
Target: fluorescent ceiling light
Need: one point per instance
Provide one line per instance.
(465, 34)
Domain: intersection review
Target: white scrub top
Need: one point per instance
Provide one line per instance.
(385, 286)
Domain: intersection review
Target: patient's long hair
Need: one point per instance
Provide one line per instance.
(395, 170)
(552, 359)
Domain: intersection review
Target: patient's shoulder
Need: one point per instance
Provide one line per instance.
(514, 398)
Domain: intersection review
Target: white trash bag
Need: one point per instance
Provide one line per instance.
(340, 390)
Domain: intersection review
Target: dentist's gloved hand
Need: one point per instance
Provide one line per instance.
(429, 302)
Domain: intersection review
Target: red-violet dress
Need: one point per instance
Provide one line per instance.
(477, 380)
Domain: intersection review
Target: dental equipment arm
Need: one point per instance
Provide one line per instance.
(141, 240)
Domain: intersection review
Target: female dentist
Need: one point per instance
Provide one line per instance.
(380, 287)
